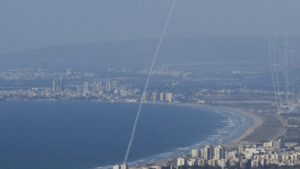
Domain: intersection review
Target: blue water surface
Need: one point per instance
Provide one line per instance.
(83, 135)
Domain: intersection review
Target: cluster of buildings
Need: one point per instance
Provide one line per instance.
(275, 152)
(69, 85)
(62, 88)
(109, 91)
(247, 156)
(122, 166)
(209, 155)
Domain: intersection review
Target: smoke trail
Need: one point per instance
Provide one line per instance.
(278, 89)
(272, 74)
(286, 76)
(272, 52)
(148, 79)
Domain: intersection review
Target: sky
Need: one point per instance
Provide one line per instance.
(27, 24)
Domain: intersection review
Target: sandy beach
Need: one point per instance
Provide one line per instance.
(257, 122)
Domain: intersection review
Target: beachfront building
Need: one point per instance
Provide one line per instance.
(181, 162)
(256, 155)
(195, 153)
(207, 152)
(219, 153)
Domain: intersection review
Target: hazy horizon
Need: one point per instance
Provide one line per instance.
(35, 24)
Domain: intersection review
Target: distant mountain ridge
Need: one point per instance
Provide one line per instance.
(138, 54)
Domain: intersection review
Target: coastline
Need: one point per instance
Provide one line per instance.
(166, 157)
(257, 122)
(233, 139)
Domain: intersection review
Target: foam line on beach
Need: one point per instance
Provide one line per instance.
(235, 125)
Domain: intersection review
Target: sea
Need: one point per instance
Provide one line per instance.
(90, 135)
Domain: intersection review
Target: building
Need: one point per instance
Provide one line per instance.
(241, 148)
(99, 86)
(254, 163)
(207, 152)
(201, 162)
(195, 153)
(222, 163)
(192, 162)
(57, 85)
(212, 162)
(85, 89)
(107, 86)
(274, 144)
(53, 85)
(169, 97)
(219, 153)
(124, 166)
(161, 96)
(181, 162)
(154, 96)
(114, 85)
(116, 167)
(61, 84)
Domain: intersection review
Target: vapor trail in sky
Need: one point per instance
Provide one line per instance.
(148, 79)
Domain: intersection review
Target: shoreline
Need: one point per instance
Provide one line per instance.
(257, 121)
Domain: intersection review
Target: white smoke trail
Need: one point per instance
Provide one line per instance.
(148, 79)
(289, 82)
(272, 73)
(277, 76)
(272, 52)
(286, 76)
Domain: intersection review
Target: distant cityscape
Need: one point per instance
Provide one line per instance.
(73, 86)
(171, 87)
(274, 142)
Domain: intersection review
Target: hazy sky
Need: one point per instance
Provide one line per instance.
(26, 24)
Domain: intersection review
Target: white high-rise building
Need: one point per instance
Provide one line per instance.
(219, 153)
(181, 162)
(85, 88)
(124, 166)
(161, 96)
(207, 152)
(169, 97)
(116, 167)
(195, 153)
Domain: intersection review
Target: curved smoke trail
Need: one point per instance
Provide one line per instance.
(148, 79)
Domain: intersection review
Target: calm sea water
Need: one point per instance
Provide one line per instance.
(83, 135)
